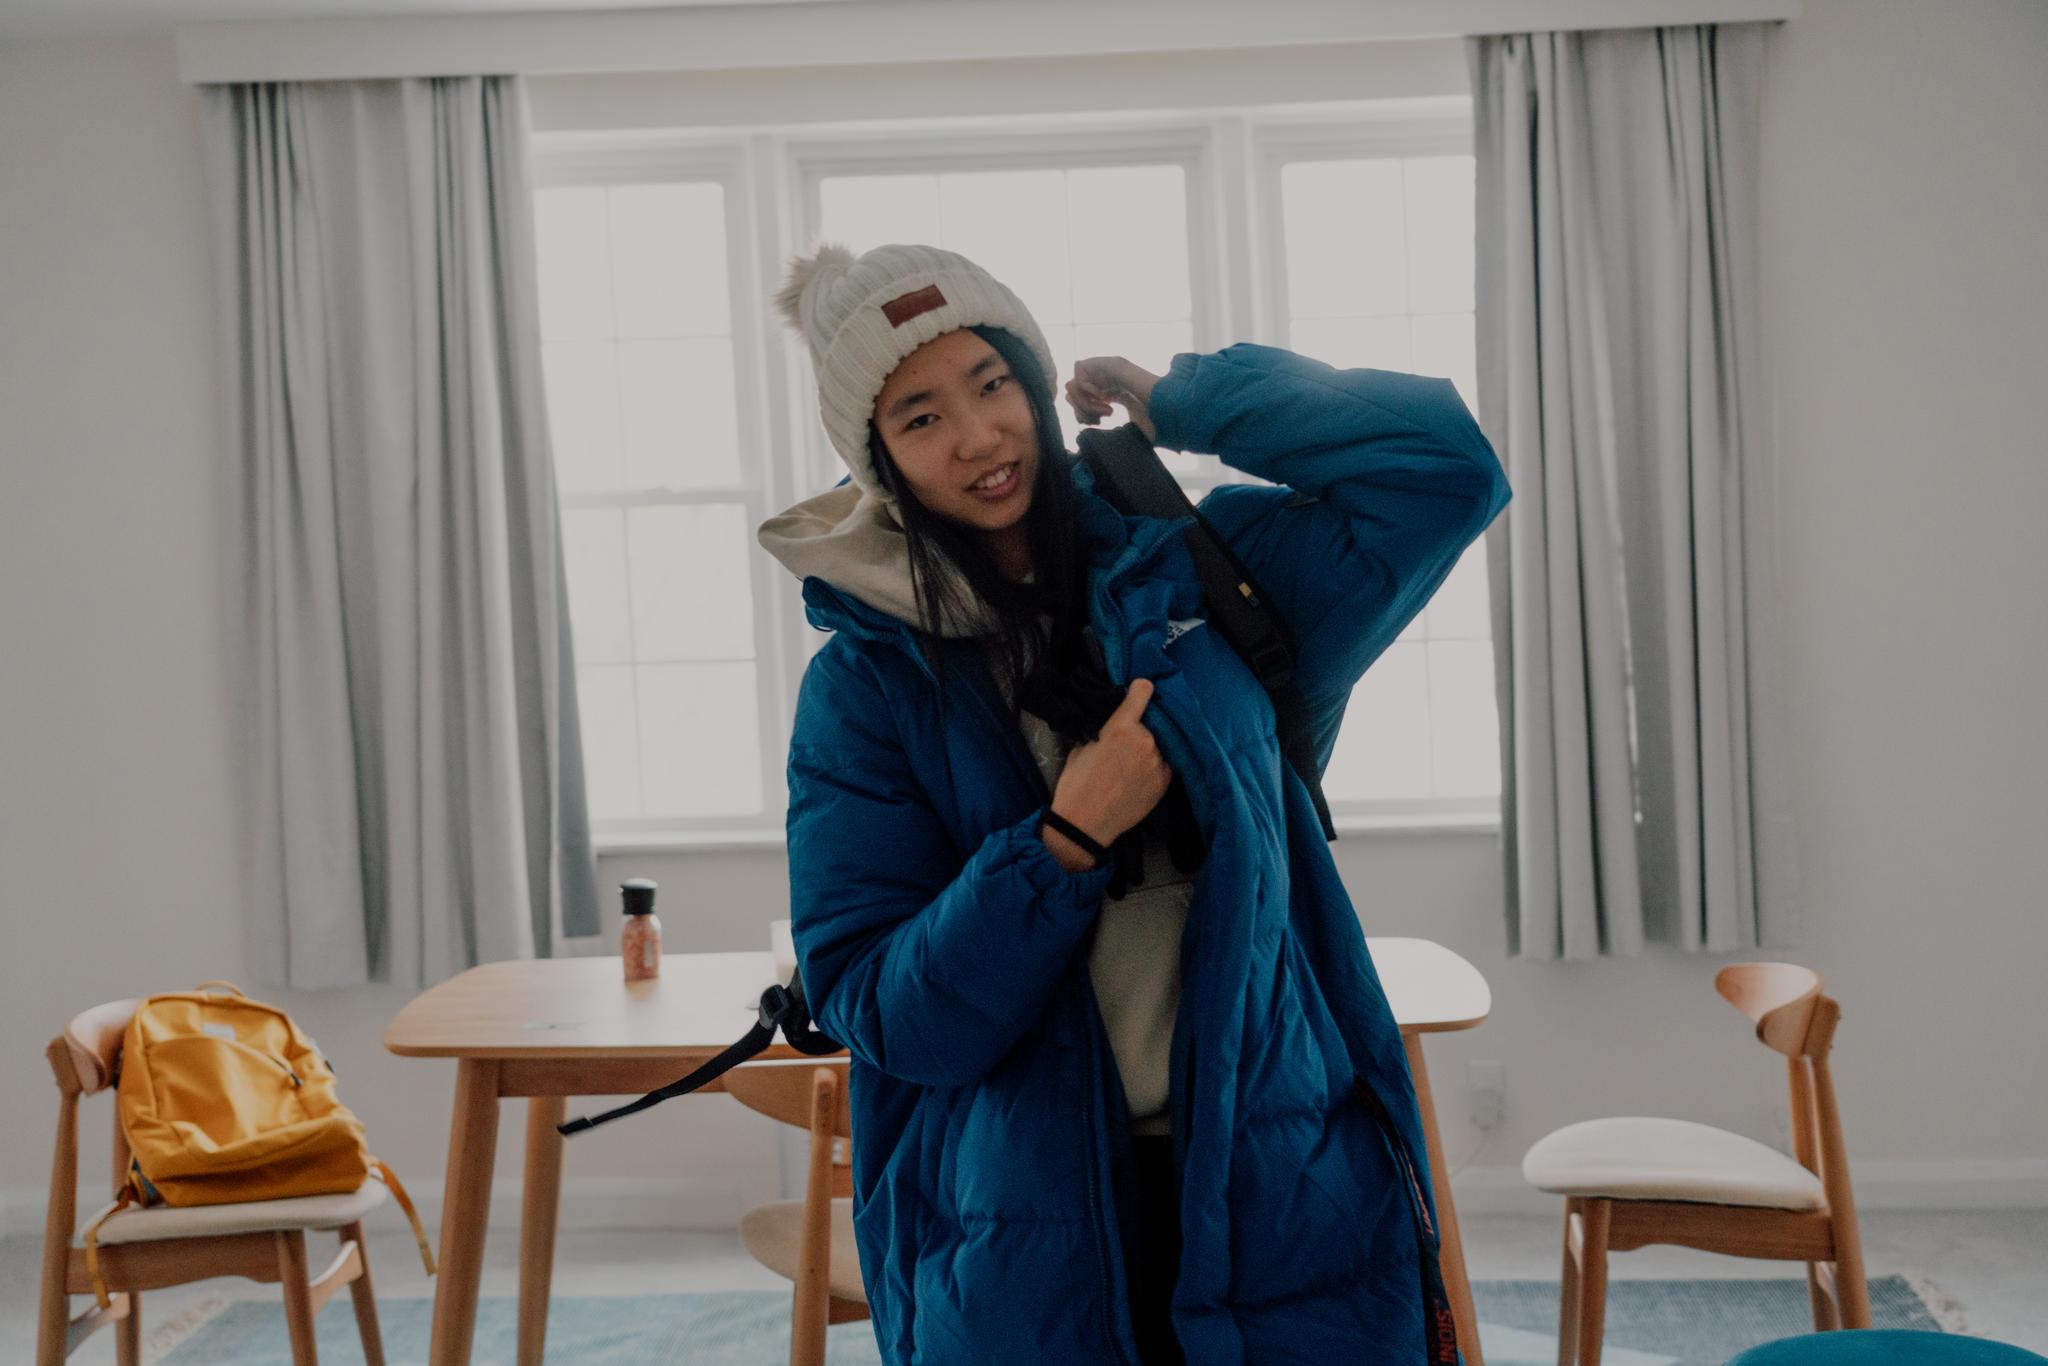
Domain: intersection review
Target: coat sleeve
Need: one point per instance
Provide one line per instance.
(1387, 479)
(926, 968)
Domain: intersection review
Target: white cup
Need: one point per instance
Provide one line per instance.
(783, 947)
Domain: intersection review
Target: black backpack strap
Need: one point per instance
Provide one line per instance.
(1130, 475)
(782, 1007)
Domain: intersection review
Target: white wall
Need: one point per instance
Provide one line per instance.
(1905, 206)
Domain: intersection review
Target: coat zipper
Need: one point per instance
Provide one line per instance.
(1022, 753)
(1101, 1242)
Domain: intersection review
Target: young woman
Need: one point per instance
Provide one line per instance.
(1125, 1085)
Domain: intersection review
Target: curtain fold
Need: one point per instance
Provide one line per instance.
(414, 794)
(1645, 795)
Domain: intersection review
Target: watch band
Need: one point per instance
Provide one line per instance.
(1075, 833)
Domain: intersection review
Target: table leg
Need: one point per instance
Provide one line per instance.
(465, 1210)
(541, 1201)
(1456, 1284)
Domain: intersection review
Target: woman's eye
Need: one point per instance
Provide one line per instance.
(987, 388)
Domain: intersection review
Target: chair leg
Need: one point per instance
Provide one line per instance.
(1568, 1291)
(811, 1307)
(1826, 1316)
(298, 1296)
(806, 1331)
(128, 1333)
(1593, 1280)
(53, 1318)
(1852, 1294)
(365, 1299)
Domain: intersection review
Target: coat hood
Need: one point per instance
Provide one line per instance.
(850, 538)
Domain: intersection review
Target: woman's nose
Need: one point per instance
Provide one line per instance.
(982, 442)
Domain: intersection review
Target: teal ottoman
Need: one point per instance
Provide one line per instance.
(1885, 1347)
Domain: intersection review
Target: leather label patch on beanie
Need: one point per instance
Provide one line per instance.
(901, 311)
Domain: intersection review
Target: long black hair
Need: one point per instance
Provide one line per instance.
(1059, 548)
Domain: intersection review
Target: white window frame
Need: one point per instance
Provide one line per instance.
(771, 177)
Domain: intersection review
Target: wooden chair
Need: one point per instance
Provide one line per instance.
(809, 1240)
(148, 1249)
(1631, 1182)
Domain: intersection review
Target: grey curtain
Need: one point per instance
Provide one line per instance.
(414, 785)
(1645, 795)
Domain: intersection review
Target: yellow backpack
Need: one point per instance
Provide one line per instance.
(223, 1100)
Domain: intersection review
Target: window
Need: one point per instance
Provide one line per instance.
(1376, 269)
(639, 346)
(683, 414)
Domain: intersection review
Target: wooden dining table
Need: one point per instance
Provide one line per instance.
(545, 1030)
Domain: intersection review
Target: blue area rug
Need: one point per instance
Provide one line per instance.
(1649, 1323)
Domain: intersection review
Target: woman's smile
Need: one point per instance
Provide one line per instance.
(998, 484)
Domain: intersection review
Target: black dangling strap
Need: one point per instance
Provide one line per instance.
(1439, 1326)
(782, 1007)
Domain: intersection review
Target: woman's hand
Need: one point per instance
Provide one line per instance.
(1102, 380)
(1112, 782)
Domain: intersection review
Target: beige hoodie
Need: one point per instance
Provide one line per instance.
(850, 538)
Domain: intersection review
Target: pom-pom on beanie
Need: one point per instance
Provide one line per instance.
(862, 315)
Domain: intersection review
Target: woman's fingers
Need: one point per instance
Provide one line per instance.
(1100, 381)
(1135, 699)
(1089, 404)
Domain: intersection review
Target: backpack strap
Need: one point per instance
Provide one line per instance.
(1130, 475)
(131, 1194)
(127, 1197)
(782, 1007)
(419, 1233)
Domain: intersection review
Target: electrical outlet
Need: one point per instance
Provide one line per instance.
(1489, 1086)
(1781, 1126)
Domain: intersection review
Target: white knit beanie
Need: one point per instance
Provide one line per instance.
(862, 316)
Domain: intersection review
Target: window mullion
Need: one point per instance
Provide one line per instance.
(782, 459)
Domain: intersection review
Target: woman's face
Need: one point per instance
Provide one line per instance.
(960, 428)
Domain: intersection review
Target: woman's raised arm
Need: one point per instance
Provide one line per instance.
(1387, 481)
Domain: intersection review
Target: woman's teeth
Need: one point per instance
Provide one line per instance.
(995, 479)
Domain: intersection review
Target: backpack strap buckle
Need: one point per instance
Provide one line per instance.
(779, 1006)
(1272, 661)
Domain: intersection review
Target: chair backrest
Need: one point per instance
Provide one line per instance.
(1793, 1016)
(90, 1046)
(1781, 999)
(785, 1091)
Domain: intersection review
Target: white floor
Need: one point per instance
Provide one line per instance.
(1992, 1265)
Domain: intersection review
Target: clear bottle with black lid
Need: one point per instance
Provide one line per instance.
(640, 939)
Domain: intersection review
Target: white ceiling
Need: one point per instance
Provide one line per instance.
(61, 18)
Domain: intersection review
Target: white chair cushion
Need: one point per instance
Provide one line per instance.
(773, 1233)
(1636, 1158)
(254, 1216)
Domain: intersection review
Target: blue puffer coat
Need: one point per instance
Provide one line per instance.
(944, 945)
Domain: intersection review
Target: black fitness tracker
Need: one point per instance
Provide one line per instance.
(1076, 834)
